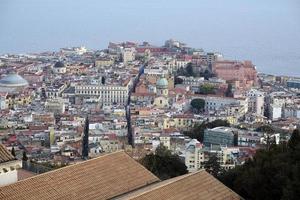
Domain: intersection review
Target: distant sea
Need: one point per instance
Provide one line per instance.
(266, 32)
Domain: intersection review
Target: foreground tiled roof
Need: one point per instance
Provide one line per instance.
(195, 186)
(5, 155)
(100, 178)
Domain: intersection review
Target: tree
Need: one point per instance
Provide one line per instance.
(207, 89)
(178, 81)
(13, 152)
(268, 130)
(164, 164)
(213, 166)
(198, 104)
(103, 80)
(229, 92)
(85, 139)
(270, 174)
(189, 69)
(294, 140)
(24, 157)
(197, 131)
(265, 128)
(235, 139)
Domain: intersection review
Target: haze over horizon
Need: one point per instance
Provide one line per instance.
(266, 32)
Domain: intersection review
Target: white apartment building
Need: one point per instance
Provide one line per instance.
(106, 94)
(194, 156)
(215, 103)
(255, 101)
(193, 81)
(174, 64)
(56, 105)
(128, 55)
(275, 111)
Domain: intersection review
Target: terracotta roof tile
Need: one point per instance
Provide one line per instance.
(100, 178)
(5, 155)
(194, 186)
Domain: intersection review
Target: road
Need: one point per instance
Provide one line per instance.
(127, 107)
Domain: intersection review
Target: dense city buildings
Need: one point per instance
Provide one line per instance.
(137, 97)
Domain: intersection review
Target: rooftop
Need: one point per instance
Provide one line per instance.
(101, 178)
(5, 155)
(198, 185)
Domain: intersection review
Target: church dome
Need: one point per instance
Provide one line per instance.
(162, 83)
(59, 64)
(13, 80)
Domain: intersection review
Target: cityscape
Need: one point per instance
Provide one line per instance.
(138, 120)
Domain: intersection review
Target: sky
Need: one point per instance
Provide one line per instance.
(266, 32)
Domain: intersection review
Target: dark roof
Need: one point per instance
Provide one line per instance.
(193, 186)
(104, 177)
(59, 64)
(5, 155)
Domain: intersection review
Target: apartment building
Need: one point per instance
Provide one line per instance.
(105, 94)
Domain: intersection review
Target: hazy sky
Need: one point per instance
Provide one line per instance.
(264, 31)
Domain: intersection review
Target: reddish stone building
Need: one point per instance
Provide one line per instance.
(242, 75)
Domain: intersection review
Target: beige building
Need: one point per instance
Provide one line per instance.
(128, 55)
(255, 101)
(56, 105)
(194, 156)
(104, 62)
(105, 94)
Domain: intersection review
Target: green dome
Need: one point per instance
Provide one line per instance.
(162, 83)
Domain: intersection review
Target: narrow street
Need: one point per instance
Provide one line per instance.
(127, 107)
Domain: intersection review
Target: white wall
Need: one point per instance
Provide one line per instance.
(8, 177)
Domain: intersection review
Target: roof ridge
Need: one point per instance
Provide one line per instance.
(167, 182)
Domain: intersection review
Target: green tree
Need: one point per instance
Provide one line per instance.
(164, 164)
(268, 130)
(85, 139)
(24, 157)
(213, 166)
(103, 80)
(178, 81)
(265, 129)
(198, 104)
(207, 89)
(270, 174)
(13, 152)
(189, 69)
(197, 131)
(294, 140)
(236, 139)
(229, 92)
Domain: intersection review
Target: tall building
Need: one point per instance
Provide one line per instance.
(256, 101)
(105, 94)
(218, 136)
(128, 55)
(194, 156)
